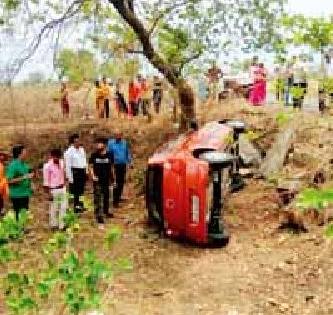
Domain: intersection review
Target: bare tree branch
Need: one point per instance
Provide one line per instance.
(134, 51)
(71, 11)
(169, 71)
(56, 46)
(164, 13)
(189, 59)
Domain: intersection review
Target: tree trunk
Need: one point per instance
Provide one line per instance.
(170, 72)
(187, 104)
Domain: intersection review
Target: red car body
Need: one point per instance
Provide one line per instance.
(179, 183)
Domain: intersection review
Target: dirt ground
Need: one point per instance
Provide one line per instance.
(262, 271)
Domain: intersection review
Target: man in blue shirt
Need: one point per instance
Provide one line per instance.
(120, 151)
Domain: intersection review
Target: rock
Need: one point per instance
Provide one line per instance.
(272, 302)
(276, 156)
(283, 307)
(309, 298)
(248, 153)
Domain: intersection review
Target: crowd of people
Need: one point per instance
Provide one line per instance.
(109, 96)
(69, 172)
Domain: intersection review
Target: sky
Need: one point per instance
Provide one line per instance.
(311, 7)
(43, 60)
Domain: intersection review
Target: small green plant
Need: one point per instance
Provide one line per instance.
(297, 92)
(10, 228)
(18, 293)
(71, 221)
(112, 236)
(316, 199)
(252, 135)
(81, 279)
(326, 84)
(57, 242)
(283, 118)
(6, 255)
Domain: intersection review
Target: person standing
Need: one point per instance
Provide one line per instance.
(19, 176)
(279, 84)
(133, 98)
(299, 80)
(120, 99)
(258, 92)
(146, 96)
(54, 184)
(214, 75)
(4, 189)
(289, 82)
(76, 171)
(100, 169)
(99, 94)
(107, 97)
(120, 151)
(64, 100)
(157, 94)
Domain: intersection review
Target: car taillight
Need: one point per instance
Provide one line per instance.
(195, 209)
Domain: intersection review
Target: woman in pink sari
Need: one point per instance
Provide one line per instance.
(258, 92)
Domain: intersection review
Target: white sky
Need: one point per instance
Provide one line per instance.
(312, 7)
(306, 7)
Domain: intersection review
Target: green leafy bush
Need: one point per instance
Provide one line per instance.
(297, 92)
(326, 84)
(81, 279)
(76, 279)
(18, 293)
(316, 199)
(6, 254)
(10, 228)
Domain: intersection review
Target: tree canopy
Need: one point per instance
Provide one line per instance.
(175, 32)
(316, 32)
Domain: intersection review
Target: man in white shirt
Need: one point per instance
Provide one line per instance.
(76, 168)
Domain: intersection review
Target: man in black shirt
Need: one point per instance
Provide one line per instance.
(100, 169)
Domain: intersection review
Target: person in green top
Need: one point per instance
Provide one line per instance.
(19, 177)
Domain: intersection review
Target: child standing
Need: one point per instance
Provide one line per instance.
(54, 183)
(100, 169)
(4, 190)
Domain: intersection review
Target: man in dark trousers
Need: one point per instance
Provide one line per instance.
(76, 170)
(120, 151)
(100, 169)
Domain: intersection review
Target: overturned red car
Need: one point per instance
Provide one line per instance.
(187, 178)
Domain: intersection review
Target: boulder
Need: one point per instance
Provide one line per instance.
(248, 153)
